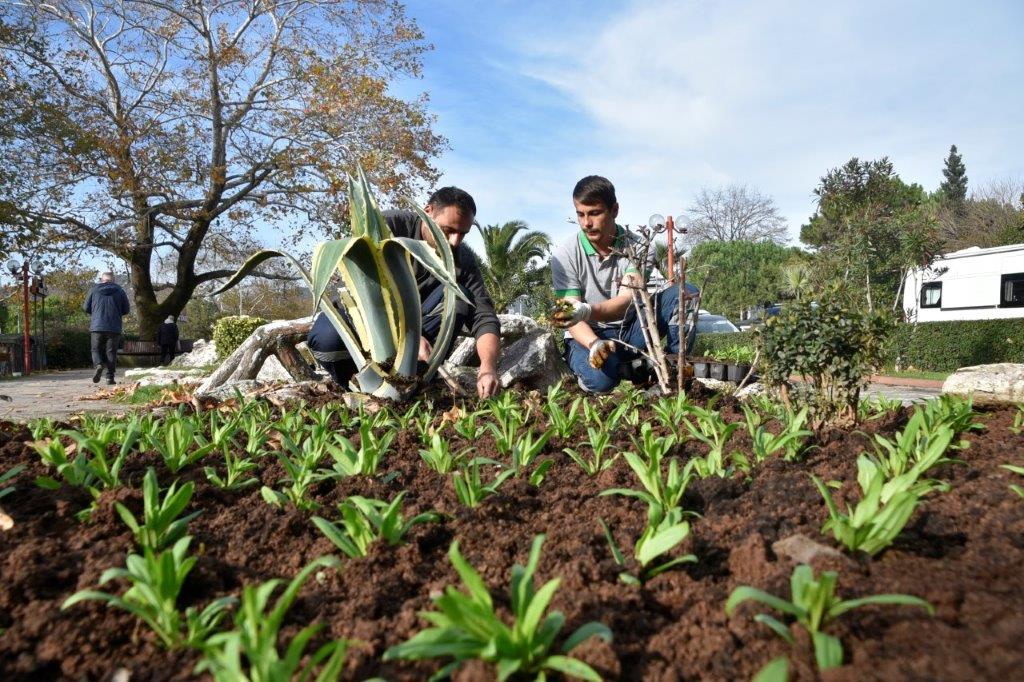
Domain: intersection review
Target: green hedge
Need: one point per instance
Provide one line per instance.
(946, 346)
(230, 332)
(68, 349)
(708, 344)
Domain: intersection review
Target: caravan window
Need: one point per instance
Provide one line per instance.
(1012, 295)
(931, 295)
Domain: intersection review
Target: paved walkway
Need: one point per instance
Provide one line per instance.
(54, 394)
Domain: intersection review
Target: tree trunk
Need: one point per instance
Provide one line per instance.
(270, 339)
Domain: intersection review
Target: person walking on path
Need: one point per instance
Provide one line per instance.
(106, 304)
(167, 339)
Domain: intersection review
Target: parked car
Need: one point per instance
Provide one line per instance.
(714, 324)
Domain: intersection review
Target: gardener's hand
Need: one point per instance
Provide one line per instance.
(599, 352)
(425, 349)
(571, 312)
(486, 384)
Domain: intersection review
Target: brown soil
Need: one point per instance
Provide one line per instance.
(962, 551)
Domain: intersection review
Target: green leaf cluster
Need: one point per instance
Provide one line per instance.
(365, 521)
(814, 604)
(466, 626)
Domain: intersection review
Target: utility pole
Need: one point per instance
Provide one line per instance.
(27, 350)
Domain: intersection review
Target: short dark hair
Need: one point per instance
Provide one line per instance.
(594, 189)
(453, 196)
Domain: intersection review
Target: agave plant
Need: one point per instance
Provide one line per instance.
(383, 328)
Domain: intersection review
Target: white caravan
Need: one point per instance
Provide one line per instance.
(970, 284)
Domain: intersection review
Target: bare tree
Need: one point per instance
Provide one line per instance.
(733, 213)
(992, 216)
(171, 130)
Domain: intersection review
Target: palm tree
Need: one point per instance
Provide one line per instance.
(507, 263)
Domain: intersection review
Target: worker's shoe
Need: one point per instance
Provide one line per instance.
(96, 376)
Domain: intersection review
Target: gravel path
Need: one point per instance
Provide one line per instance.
(54, 394)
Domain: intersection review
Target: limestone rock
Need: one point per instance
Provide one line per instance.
(246, 387)
(716, 385)
(203, 354)
(999, 383)
(273, 370)
(801, 549)
(513, 328)
(752, 390)
(159, 376)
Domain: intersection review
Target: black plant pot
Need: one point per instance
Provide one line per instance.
(737, 372)
(702, 370)
(718, 371)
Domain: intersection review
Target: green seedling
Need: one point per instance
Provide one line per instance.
(155, 581)
(662, 493)
(508, 419)
(599, 444)
(526, 449)
(1018, 421)
(654, 543)
(883, 510)
(672, 412)
(365, 521)
(175, 445)
(914, 449)
(562, 422)
(8, 475)
(469, 427)
(469, 486)
(160, 526)
(1009, 467)
(364, 460)
(466, 626)
(106, 470)
(235, 469)
(711, 430)
(300, 466)
(42, 428)
(876, 407)
(814, 605)
(249, 653)
(439, 455)
(789, 441)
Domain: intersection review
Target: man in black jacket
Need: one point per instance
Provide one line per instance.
(453, 210)
(167, 339)
(106, 304)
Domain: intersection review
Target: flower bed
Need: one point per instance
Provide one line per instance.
(961, 550)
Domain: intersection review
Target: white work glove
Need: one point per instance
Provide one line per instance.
(600, 350)
(580, 313)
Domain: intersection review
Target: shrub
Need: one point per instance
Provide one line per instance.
(947, 346)
(68, 349)
(834, 345)
(230, 332)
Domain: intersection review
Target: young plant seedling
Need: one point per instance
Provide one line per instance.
(654, 542)
(662, 493)
(439, 455)
(1009, 467)
(1018, 421)
(179, 435)
(160, 525)
(711, 430)
(526, 449)
(7, 476)
(562, 422)
(883, 510)
(365, 521)
(599, 444)
(469, 486)
(789, 441)
(466, 626)
(364, 460)
(249, 653)
(814, 605)
(155, 581)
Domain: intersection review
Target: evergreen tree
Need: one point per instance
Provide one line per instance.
(955, 186)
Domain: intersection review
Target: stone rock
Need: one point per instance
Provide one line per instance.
(158, 376)
(515, 327)
(246, 387)
(716, 385)
(203, 354)
(464, 353)
(752, 391)
(801, 549)
(998, 383)
(273, 370)
(532, 361)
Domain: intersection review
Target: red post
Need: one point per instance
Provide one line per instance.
(669, 224)
(27, 355)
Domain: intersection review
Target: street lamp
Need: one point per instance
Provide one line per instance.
(13, 266)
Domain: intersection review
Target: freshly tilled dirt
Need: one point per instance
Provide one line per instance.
(962, 551)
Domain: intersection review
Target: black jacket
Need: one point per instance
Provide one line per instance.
(107, 304)
(467, 274)
(167, 334)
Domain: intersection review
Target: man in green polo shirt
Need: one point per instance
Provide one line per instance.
(590, 272)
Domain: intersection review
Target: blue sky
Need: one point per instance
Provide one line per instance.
(667, 97)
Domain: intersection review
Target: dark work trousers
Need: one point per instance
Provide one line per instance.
(166, 354)
(327, 347)
(104, 350)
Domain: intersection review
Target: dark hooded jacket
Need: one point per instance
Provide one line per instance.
(107, 304)
(167, 334)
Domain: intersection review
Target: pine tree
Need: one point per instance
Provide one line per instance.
(955, 186)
